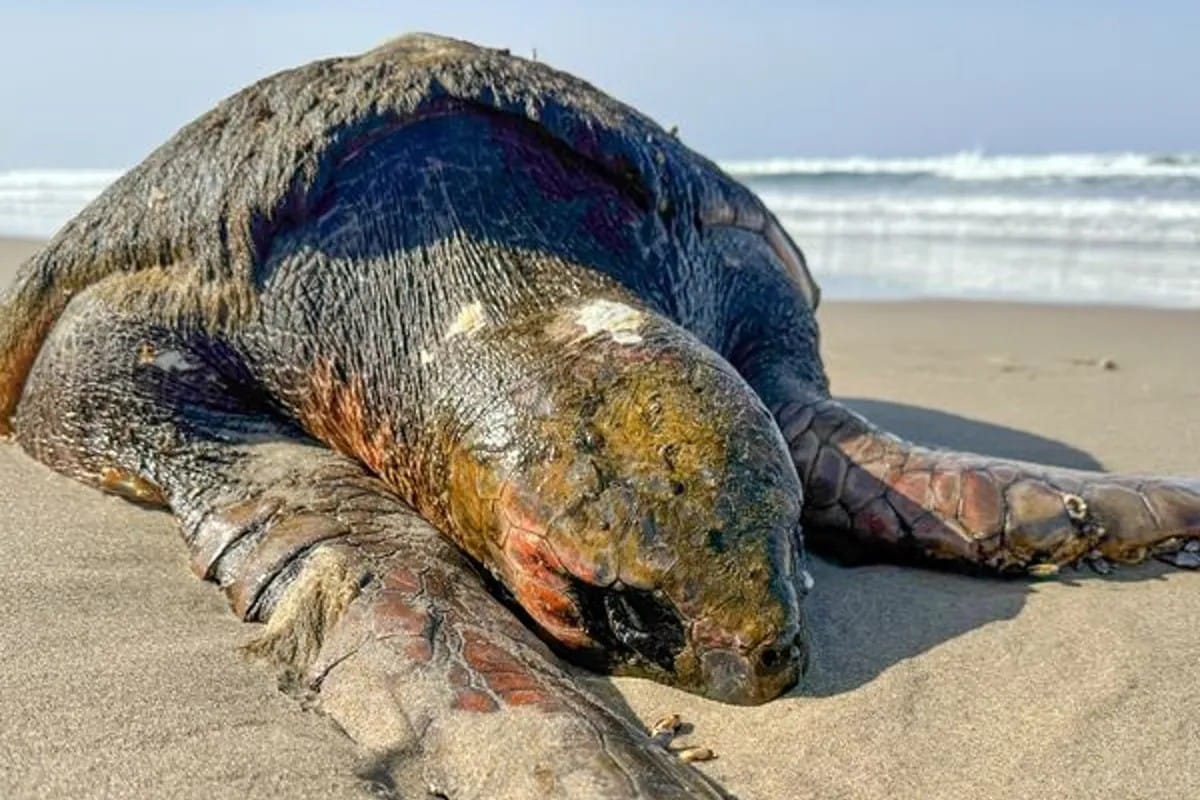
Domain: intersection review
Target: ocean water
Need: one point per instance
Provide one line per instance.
(1077, 228)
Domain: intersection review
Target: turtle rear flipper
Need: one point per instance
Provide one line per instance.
(368, 610)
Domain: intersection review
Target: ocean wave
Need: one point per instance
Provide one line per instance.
(977, 166)
(1092, 219)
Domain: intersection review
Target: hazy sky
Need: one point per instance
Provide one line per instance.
(100, 84)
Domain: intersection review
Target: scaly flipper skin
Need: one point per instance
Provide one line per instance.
(542, 342)
(870, 494)
(365, 605)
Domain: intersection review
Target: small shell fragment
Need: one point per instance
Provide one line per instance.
(665, 729)
(690, 754)
(1043, 570)
(668, 724)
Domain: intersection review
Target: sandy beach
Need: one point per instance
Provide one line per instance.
(122, 675)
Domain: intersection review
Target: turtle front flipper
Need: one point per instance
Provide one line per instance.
(393, 631)
(366, 607)
(870, 495)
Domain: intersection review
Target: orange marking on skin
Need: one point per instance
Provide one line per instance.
(402, 580)
(525, 549)
(534, 558)
(532, 543)
(487, 657)
(549, 602)
(538, 579)
(335, 411)
(529, 697)
(504, 674)
(581, 567)
(505, 682)
(395, 615)
(515, 514)
(510, 680)
(476, 701)
(419, 650)
(555, 612)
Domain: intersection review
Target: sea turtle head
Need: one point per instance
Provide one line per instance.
(644, 509)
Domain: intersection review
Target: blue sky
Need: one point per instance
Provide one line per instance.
(100, 84)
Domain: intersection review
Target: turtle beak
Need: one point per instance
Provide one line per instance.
(761, 674)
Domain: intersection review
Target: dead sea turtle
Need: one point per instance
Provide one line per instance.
(435, 349)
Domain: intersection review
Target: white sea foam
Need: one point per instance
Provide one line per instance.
(978, 166)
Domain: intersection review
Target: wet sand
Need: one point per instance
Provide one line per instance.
(122, 675)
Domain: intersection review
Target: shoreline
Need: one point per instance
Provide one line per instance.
(123, 676)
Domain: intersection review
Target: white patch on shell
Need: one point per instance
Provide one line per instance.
(471, 318)
(425, 356)
(618, 320)
(172, 361)
(807, 580)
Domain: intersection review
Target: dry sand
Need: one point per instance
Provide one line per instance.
(121, 676)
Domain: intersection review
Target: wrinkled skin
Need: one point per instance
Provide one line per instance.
(449, 366)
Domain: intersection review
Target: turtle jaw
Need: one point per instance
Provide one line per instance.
(749, 646)
(753, 677)
(641, 634)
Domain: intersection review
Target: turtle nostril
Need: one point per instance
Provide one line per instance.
(786, 654)
(772, 658)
